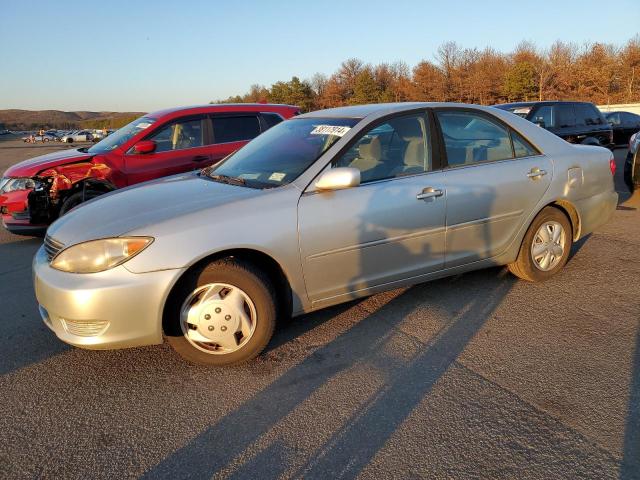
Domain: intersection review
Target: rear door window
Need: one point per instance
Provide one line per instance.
(522, 148)
(565, 115)
(472, 138)
(235, 129)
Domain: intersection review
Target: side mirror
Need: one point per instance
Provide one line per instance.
(338, 178)
(145, 146)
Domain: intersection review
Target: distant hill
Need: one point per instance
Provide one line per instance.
(35, 119)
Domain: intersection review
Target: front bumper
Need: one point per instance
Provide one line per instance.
(14, 212)
(106, 310)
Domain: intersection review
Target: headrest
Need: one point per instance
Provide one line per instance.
(408, 128)
(373, 149)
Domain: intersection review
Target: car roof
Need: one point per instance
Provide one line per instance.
(222, 107)
(379, 109)
(543, 102)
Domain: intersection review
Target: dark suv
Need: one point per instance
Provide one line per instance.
(576, 122)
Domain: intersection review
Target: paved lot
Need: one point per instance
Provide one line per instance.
(479, 375)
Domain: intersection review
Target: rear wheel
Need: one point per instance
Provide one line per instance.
(545, 247)
(223, 314)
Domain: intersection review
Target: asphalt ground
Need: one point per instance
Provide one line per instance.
(474, 376)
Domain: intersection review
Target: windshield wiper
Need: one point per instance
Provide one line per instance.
(227, 179)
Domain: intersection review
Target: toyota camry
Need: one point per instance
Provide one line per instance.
(321, 209)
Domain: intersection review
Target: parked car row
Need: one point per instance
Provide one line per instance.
(624, 125)
(317, 210)
(71, 136)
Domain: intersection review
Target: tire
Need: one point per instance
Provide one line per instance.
(69, 140)
(76, 199)
(257, 302)
(532, 270)
(631, 173)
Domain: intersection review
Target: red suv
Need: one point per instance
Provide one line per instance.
(35, 192)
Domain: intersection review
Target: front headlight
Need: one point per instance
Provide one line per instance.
(99, 255)
(14, 184)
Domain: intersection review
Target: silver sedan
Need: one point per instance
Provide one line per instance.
(321, 209)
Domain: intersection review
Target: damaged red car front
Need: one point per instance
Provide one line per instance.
(35, 192)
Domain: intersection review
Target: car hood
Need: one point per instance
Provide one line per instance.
(133, 208)
(31, 167)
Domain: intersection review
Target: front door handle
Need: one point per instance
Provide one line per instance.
(536, 173)
(200, 158)
(429, 192)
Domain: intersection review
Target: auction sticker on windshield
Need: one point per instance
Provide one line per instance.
(338, 131)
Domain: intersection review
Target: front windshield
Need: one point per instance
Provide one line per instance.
(120, 136)
(282, 153)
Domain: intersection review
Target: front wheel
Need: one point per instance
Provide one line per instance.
(76, 199)
(223, 314)
(545, 247)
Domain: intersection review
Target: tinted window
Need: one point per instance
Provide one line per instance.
(544, 116)
(235, 129)
(471, 138)
(587, 115)
(393, 149)
(630, 118)
(521, 147)
(613, 118)
(565, 116)
(178, 136)
(271, 119)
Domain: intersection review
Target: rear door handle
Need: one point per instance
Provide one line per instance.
(429, 192)
(200, 158)
(536, 173)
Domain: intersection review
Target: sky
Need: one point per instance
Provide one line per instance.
(146, 55)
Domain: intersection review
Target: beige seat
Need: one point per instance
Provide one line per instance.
(369, 156)
(413, 158)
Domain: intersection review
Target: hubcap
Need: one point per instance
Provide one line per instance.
(218, 318)
(548, 246)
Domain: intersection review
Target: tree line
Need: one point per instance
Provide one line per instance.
(595, 72)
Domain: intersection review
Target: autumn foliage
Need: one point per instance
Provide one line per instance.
(595, 72)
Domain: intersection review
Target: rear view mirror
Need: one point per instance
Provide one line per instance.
(145, 146)
(540, 122)
(338, 178)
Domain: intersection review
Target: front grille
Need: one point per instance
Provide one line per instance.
(84, 328)
(52, 247)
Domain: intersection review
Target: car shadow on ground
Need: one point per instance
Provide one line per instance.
(630, 467)
(407, 383)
